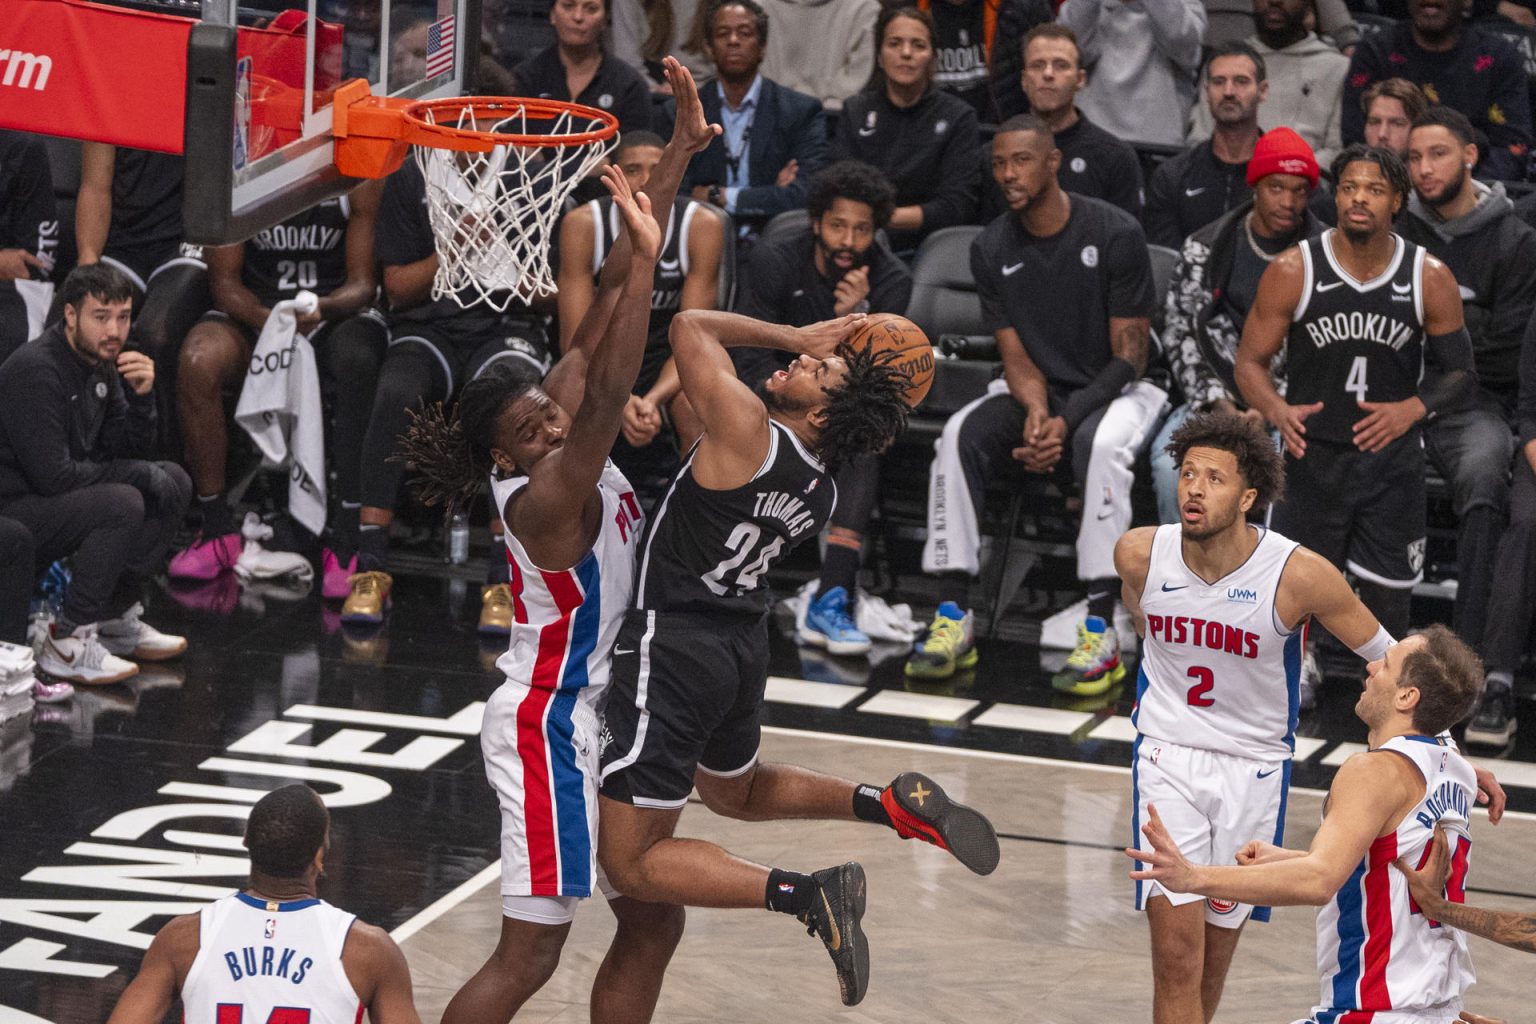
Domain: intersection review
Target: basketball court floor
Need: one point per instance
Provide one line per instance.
(126, 806)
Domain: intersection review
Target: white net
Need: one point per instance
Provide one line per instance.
(494, 214)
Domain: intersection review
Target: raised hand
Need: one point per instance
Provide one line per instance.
(690, 128)
(642, 421)
(137, 371)
(635, 209)
(850, 291)
(821, 339)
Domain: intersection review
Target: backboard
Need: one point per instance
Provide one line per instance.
(243, 88)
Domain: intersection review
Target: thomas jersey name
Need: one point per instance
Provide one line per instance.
(1206, 633)
(1383, 330)
(787, 509)
(267, 963)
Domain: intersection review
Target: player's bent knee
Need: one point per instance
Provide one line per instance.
(727, 796)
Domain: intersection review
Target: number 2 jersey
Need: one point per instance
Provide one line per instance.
(1352, 340)
(1219, 671)
(1380, 959)
(707, 551)
(262, 962)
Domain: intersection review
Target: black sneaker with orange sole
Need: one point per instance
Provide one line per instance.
(920, 809)
(837, 907)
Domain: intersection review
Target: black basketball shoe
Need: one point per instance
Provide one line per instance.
(837, 906)
(920, 809)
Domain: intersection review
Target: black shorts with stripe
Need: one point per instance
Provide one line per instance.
(687, 694)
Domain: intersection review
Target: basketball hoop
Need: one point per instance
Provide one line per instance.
(497, 171)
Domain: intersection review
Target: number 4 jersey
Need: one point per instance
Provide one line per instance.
(1352, 341)
(707, 551)
(1219, 671)
(262, 962)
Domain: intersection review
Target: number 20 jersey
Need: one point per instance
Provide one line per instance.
(708, 551)
(1350, 338)
(1218, 669)
(261, 962)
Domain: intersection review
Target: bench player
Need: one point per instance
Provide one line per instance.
(274, 951)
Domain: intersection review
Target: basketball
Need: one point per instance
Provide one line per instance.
(887, 332)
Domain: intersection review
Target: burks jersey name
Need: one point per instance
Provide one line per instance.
(787, 509)
(1206, 633)
(267, 962)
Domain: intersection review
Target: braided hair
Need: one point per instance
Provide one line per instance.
(453, 452)
(867, 410)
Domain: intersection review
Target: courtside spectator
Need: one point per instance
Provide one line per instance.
(1473, 229)
(922, 139)
(327, 250)
(29, 238)
(77, 424)
(774, 138)
(1141, 60)
(1066, 285)
(1389, 108)
(1305, 75)
(976, 43)
(577, 69)
(1093, 162)
(1190, 190)
(1231, 20)
(1458, 64)
(1214, 285)
(645, 31)
(835, 268)
(823, 48)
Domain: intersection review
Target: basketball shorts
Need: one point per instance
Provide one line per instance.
(249, 334)
(540, 751)
(142, 264)
(1213, 805)
(521, 346)
(687, 693)
(1363, 512)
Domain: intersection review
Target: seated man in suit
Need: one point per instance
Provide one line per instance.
(775, 138)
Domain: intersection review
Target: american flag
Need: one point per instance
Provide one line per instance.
(440, 47)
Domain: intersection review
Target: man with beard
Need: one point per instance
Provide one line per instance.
(1357, 309)
(1066, 286)
(1306, 77)
(1220, 604)
(835, 268)
(1190, 190)
(1458, 64)
(1474, 229)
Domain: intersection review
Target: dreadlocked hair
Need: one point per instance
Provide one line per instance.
(867, 410)
(452, 452)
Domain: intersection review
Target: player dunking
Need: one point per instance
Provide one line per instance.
(691, 660)
(1380, 957)
(572, 528)
(274, 952)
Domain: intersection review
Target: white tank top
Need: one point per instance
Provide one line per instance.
(1376, 951)
(270, 963)
(564, 623)
(1218, 669)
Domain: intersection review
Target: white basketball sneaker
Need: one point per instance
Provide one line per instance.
(79, 657)
(129, 636)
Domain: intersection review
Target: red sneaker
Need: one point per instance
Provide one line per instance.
(920, 809)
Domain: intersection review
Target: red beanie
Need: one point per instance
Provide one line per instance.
(1282, 151)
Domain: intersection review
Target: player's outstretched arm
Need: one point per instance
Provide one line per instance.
(1133, 554)
(379, 975)
(1264, 332)
(1506, 927)
(148, 997)
(1366, 793)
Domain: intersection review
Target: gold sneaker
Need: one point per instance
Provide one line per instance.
(369, 598)
(496, 610)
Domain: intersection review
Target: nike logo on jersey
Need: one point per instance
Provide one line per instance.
(619, 652)
(1168, 590)
(865, 133)
(1014, 269)
(1192, 192)
(1265, 775)
(1328, 287)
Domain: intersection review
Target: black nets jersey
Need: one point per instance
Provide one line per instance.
(1354, 341)
(307, 252)
(146, 208)
(708, 551)
(671, 264)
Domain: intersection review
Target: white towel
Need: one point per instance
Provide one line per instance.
(280, 409)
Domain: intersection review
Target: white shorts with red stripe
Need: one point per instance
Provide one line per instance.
(540, 751)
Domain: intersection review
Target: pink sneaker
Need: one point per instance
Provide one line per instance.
(205, 559)
(337, 584)
(51, 691)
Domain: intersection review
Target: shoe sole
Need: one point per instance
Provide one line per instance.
(829, 645)
(149, 654)
(851, 930)
(362, 619)
(82, 681)
(966, 831)
(1090, 687)
(500, 632)
(965, 661)
(1479, 738)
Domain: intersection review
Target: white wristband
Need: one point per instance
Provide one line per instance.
(1376, 646)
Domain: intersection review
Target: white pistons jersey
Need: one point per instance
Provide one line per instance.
(564, 622)
(1380, 959)
(1219, 671)
(261, 962)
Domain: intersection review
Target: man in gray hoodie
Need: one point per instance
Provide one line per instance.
(1306, 78)
(1472, 228)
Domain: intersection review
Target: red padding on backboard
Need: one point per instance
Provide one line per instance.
(87, 71)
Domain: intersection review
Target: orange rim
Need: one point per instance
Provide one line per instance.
(423, 131)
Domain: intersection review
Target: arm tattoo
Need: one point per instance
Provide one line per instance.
(1506, 927)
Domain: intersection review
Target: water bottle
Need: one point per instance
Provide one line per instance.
(458, 539)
